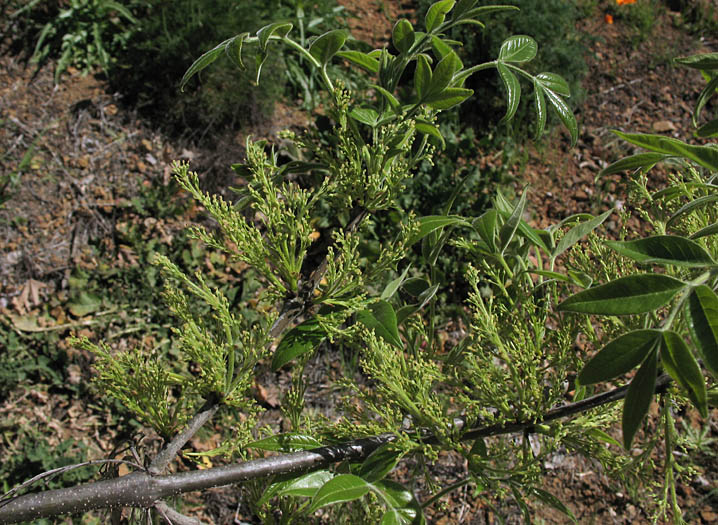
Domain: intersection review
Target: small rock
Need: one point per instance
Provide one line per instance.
(663, 126)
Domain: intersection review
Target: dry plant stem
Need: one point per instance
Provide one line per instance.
(141, 489)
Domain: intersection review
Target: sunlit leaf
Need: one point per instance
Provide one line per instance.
(360, 59)
(431, 223)
(513, 90)
(644, 161)
(381, 318)
(703, 323)
(507, 231)
(403, 35)
(327, 45)
(703, 98)
(422, 76)
(203, 61)
(540, 107)
(680, 364)
(700, 61)
(552, 501)
(708, 130)
(448, 98)
(291, 442)
(706, 156)
(485, 225)
(301, 339)
(429, 129)
(565, 114)
(306, 486)
(553, 82)
(518, 49)
(341, 488)
(691, 206)
(233, 50)
(578, 232)
(619, 356)
(436, 14)
(664, 249)
(379, 464)
(443, 74)
(394, 285)
(638, 398)
(635, 294)
(281, 29)
(366, 116)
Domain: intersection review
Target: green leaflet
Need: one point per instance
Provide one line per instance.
(436, 14)
(634, 294)
(708, 130)
(345, 487)
(518, 49)
(553, 82)
(702, 313)
(619, 356)
(328, 45)
(513, 90)
(693, 205)
(205, 60)
(422, 76)
(280, 28)
(638, 399)
(664, 249)
(507, 231)
(578, 232)
(431, 223)
(680, 364)
(705, 94)
(485, 225)
(706, 156)
(403, 35)
(301, 339)
(394, 285)
(305, 486)
(443, 74)
(404, 509)
(448, 98)
(360, 59)
(565, 114)
(711, 229)
(291, 442)
(379, 463)
(643, 161)
(381, 318)
(540, 107)
(701, 61)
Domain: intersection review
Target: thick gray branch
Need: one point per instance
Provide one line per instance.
(142, 489)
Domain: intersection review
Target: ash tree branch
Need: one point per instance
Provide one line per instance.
(143, 489)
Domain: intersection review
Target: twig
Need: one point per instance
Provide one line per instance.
(160, 462)
(172, 517)
(142, 489)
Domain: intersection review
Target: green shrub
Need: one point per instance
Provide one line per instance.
(88, 34)
(170, 34)
(551, 22)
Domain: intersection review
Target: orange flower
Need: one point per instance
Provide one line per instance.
(624, 2)
(608, 19)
